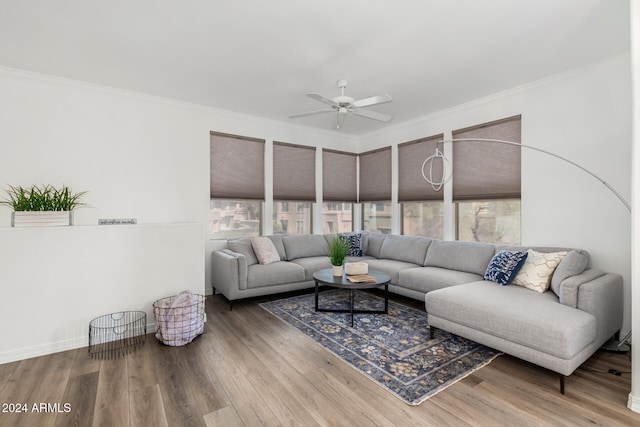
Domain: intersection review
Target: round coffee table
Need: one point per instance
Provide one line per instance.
(326, 277)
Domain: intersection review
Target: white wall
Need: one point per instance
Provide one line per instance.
(583, 115)
(56, 279)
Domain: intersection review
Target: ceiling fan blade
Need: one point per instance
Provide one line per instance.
(372, 115)
(322, 99)
(372, 100)
(310, 113)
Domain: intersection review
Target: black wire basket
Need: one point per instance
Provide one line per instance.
(116, 334)
(179, 318)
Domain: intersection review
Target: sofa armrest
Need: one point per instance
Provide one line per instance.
(598, 293)
(228, 272)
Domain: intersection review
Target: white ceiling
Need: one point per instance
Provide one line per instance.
(261, 57)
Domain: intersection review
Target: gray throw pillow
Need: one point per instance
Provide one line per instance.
(574, 263)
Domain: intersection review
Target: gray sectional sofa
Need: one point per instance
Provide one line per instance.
(558, 329)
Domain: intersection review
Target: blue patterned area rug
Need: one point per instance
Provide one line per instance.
(394, 350)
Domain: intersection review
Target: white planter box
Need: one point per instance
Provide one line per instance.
(41, 218)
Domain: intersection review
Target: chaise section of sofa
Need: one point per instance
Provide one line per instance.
(558, 329)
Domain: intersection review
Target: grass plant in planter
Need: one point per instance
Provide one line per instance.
(43, 205)
(338, 250)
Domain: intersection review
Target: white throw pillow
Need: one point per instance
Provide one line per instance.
(537, 270)
(265, 250)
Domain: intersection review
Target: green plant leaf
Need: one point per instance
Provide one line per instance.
(42, 198)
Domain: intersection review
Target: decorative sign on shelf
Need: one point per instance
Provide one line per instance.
(117, 221)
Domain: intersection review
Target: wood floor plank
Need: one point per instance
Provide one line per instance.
(208, 395)
(46, 399)
(140, 368)
(179, 402)
(6, 371)
(147, 407)
(226, 417)
(253, 400)
(81, 395)
(19, 388)
(112, 395)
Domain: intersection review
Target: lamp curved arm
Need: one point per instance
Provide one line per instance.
(500, 141)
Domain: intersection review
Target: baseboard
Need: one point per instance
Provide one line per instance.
(54, 347)
(634, 403)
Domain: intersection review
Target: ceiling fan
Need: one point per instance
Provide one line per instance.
(343, 105)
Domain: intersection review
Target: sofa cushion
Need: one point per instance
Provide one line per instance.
(372, 243)
(243, 247)
(277, 242)
(302, 246)
(513, 313)
(504, 266)
(427, 279)
(312, 264)
(277, 273)
(574, 263)
(536, 272)
(390, 267)
(355, 243)
(265, 250)
(405, 248)
(472, 257)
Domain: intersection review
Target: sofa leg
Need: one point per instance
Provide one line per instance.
(562, 378)
(432, 332)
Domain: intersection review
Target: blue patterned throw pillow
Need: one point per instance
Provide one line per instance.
(355, 243)
(504, 266)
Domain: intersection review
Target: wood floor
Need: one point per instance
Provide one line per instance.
(250, 368)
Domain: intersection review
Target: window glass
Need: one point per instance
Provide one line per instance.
(337, 218)
(494, 221)
(376, 217)
(292, 217)
(229, 219)
(423, 219)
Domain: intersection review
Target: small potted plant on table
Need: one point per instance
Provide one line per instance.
(338, 250)
(42, 205)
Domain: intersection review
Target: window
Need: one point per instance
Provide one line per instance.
(375, 190)
(236, 186)
(492, 221)
(339, 190)
(423, 219)
(230, 219)
(294, 172)
(486, 182)
(421, 205)
(298, 213)
(376, 217)
(375, 175)
(338, 217)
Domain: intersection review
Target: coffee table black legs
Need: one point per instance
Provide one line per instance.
(352, 310)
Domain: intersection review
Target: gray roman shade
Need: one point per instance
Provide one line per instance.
(294, 172)
(411, 155)
(375, 175)
(487, 170)
(237, 167)
(339, 178)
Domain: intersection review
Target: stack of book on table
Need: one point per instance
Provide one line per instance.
(361, 278)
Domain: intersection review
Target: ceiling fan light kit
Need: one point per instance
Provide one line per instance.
(343, 105)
